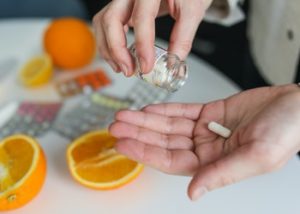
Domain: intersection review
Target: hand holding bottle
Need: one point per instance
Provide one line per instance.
(112, 22)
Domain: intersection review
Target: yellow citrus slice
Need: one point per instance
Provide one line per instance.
(22, 171)
(37, 71)
(94, 163)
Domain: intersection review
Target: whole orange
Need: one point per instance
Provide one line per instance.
(70, 43)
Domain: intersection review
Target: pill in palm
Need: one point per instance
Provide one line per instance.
(219, 129)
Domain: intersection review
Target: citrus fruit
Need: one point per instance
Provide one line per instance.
(70, 43)
(37, 71)
(94, 163)
(22, 171)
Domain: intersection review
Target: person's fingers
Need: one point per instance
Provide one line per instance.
(101, 42)
(114, 20)
(187, 18)
(245, 162)
(143, 20)
(158, 123)
(125, 130)
(182, 162)
(126, 28)
(189, 111)
(163, 10)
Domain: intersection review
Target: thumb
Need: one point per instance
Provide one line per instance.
(188, 18)
(232, 168)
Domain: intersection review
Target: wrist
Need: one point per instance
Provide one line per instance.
(290, 93)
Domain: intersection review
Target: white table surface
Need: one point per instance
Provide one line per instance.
(152, 191)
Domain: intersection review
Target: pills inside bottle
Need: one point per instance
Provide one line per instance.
(168, 72)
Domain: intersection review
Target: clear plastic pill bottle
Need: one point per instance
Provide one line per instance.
(168, 72)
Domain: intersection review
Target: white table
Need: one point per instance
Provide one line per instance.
(152, 191)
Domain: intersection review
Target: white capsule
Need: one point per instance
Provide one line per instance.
(219, 129)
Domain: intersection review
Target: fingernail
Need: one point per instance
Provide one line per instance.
(198, 193)
(124, 69)
(142, 64)
(113, 65)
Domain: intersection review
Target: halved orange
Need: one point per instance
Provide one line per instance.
(37, 71)
(22, 171)
(94, 163)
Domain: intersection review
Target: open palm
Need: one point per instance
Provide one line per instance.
(174, 137)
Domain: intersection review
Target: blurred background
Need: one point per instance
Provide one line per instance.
(225, 48)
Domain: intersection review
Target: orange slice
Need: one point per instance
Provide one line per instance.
(94, 163)
(22, 171)
(37, 71)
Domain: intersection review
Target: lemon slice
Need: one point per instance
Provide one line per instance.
(37, 71)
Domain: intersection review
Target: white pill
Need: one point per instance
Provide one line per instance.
(219, 129)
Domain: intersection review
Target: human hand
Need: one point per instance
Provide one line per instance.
(111, 25)
(174, 138)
